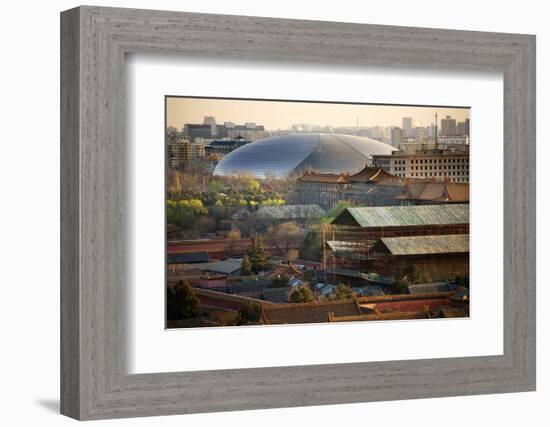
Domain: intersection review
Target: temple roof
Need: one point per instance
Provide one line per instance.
(288, 270)
(328, 178)
(436, 191)
(399, 216)
(426, 245)
(376, 175)
(312, 312)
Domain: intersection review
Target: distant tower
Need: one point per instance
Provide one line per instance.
(436, 129)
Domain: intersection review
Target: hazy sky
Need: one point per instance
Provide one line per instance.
(283, 114)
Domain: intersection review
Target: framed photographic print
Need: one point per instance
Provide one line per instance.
(285, 214)
(345, 212)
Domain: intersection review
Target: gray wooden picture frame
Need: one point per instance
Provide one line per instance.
(94, 41)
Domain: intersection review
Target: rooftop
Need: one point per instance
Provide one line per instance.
(424, 152)
(290, 212)
(226, 267)
(279, 295)
(284, 270)
(313, 312)
(399, 216)
(187, 258)
(327, 178)
(438, 191)
(424, 245)
(376, 175)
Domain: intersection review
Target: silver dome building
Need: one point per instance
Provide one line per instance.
(283, 156)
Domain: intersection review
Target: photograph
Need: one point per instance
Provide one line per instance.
(301, 212)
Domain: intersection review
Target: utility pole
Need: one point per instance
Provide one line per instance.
(324, 249)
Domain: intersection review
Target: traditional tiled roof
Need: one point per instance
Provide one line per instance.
(423, 245)
(437, 191)
(249, 288)
(228, 266)
(187, 258)
(346, 245)
(313, 312)
(399, 216)
(326, 178)
(376, 175)
(400, 315)
(290, 212)
(283, 269)
(187, 271)
(279, 295)
(458, 192)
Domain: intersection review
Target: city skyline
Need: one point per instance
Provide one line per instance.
(280, 115)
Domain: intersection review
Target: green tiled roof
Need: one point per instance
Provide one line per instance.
(396, 216)
(419, 245)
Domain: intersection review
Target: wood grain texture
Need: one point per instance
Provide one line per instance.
(94, 382)
(70, 297)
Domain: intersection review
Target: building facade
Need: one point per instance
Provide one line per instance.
(225, 146)
(209, 129)
(438, 163)
(325, 190)
(357, 230)
(396, 136)
(455, 140)
(372, 186)
(182, 153)
(438, 257)
(448, 126)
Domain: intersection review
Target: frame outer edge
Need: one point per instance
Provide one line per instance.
(86, 345)
(70, 388)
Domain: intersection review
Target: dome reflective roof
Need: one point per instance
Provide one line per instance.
(282, 156)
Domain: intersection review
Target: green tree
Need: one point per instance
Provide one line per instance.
(292, 255)
(259, 258)
(343, 292)
(400, 286)
(182, 303)
(335, 211)
(215, 187)
(253, 185)
(310, 277)
(249, 313)
(463, 281)
(301, 295)
(284, 235)
(246, 266)
(414, 274)
(311, 246)
(279, 282)
(233, 236)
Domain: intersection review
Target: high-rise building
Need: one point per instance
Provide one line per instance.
(211, 120)
(396, 136)
(210, 130)
(419, 134)
(407, 124)
(448, 126)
